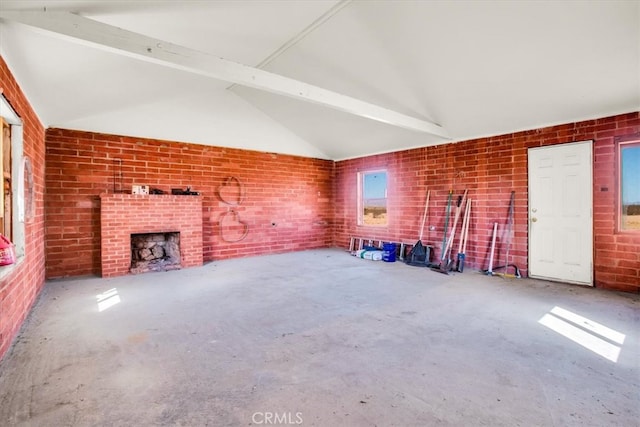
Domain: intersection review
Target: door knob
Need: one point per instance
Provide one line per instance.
(534, 219)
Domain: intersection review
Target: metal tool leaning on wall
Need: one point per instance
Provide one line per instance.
(446, 262)
(462, 248)
(509, 232)
(229, 182)
(440, 267)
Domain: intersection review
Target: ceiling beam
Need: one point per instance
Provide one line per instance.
(113, 39)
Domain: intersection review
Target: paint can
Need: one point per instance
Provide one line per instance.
(389, 252)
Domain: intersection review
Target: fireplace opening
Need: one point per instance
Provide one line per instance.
(155, 252)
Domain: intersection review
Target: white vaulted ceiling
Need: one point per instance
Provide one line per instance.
(476, 68)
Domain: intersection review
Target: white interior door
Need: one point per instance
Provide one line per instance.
(560, 213)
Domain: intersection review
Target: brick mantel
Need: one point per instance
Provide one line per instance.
(124, 214)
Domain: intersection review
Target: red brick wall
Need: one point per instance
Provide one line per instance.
(490, 168)
(21, 282)
(293, 193)
(125, 214)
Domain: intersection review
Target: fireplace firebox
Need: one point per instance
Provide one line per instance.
(155, 252)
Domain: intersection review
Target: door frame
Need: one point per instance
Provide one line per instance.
(591, 282)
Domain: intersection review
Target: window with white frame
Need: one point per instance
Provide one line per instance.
(629, 161)
(17, 199)
(372, 198)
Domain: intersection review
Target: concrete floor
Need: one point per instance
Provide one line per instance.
(319, 338)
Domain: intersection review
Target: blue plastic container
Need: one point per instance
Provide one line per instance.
(389, 252)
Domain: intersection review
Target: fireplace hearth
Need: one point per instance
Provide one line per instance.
(155, 252)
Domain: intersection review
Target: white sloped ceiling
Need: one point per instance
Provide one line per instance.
(476, 68)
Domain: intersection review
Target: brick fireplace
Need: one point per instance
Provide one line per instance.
(124, 215)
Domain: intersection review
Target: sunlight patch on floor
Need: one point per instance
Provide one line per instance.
(108, 299)
(585, 332)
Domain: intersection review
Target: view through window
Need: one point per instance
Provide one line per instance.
(630, 186)
(373, 200)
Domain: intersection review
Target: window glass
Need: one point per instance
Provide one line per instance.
(6, 207)
(373, 200)
(630, 186)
